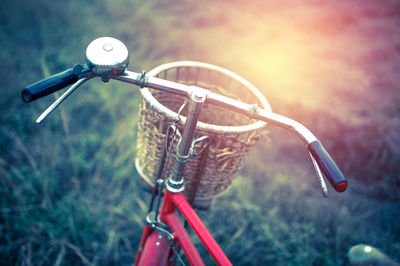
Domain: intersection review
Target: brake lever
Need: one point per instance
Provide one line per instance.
(107, 57)
(320, 177)
(55, 104)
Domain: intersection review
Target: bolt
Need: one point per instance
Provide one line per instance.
(107, 47)
(199, 95)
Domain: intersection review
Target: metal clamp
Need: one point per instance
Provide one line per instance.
(199, 140)
(142, 80)
(172, 129)
(158, 226)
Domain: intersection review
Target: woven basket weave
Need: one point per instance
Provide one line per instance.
(211, 172)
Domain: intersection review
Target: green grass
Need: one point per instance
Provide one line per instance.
(69, 192)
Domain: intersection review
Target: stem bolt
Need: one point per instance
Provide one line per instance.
(107, 47)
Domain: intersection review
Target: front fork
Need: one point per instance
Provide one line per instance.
(157, 244)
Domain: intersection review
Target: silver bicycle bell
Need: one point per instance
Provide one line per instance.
(107, 56)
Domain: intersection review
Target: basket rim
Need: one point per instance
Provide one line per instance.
(154, 103)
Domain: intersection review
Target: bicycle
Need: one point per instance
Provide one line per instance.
(164, 235)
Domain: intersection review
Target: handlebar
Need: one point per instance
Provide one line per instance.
(328, 166)
(116, 69)
(52, 84)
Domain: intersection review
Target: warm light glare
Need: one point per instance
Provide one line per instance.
(298, 53)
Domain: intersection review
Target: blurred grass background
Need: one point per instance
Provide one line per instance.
(69, 192)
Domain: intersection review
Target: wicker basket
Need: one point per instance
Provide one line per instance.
(211, 172)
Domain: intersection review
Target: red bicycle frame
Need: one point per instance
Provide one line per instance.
(155, 247)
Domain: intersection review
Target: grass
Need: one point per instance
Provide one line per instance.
(69, 192)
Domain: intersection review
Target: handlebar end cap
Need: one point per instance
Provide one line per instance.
(342, 186)
(26, 96)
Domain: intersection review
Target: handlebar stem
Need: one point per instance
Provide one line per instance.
(197, 98)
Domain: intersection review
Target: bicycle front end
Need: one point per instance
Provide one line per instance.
(185, 137)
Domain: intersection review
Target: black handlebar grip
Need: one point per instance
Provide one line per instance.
(328, 166)
(49, 85)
